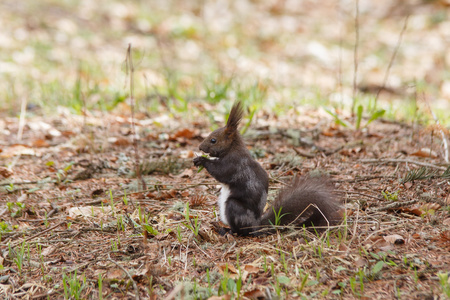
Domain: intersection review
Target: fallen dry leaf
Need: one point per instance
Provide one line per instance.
(232, 272)
(5, 172)
(187, 154)
(361, 262)
(187, 173)
(183, 133)
(17, 150)
(115, 274)
(252, 269)
(446, 222)
(119, 141)
(394, 239)
(47, 251)
(424, 152)
(255, 294)
(40, 143)
(223, 297)
(89, 212)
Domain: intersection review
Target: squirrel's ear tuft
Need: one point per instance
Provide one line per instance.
(235, 117)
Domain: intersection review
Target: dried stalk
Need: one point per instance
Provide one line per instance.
(391, 62)
(355, 55)
(130, 68)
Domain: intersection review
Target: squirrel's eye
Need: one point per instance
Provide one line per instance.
(213, 141)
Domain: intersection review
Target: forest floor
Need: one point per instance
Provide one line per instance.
(357, 91)
(73, 220)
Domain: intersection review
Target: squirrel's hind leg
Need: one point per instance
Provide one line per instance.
(241, 219)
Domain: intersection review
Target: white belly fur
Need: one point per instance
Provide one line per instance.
(222, 201)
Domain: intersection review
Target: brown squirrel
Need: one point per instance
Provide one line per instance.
(307, 201)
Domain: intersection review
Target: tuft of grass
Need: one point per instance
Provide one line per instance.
(73, 287)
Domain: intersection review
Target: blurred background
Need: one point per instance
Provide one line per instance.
(278, 53)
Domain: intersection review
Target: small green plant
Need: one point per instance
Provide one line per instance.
(111, 198)
(265, 268)
(100, 287)
(73, 288)
(149, 228)
(359, 114)
(125, 198)
(194, 228)
(390, 196)
(120, 223)
(179, 234)
(208, 278)
(420, 174)
(284, 262)
(10, 188)
(15, 208)
(302, 284)
(114, 246)
(278, 217)
(61, 174)
(18, 256)
(279, 283)
(374, 116)
(4, 227)
(45, 277)
(444, 283)
(45, 220)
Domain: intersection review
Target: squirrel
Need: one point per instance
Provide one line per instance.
(308, 201)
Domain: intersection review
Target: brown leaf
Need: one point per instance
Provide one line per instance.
(121, 141)
(163, 195)
(115, 274)
(424, 152)
(255, 294)
(183, 133)
(361, 262)
(232, 272)
(343, 247)
(5, 172)
(251, 269)
(144, 273)
(40, 143)
(223, 297)
(187, 154)
(446, 222)
(197, 200)
(445, 235)
(47, 251)
(187, 173)
(394, 239)
(17, 150)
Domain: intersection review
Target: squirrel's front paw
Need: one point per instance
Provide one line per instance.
(198, 161)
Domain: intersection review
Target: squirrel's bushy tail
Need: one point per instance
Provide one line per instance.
(308, 201)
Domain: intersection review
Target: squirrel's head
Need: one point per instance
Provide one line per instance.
(221, 141)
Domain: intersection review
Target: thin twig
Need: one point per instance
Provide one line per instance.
(136, 291)
(444, 138)
(408, 161)
(38, 234)
(391, 62)
(355, 225)
(395, 205)
(364, 178)
(23, 112)
(133, 126)
(355, 55)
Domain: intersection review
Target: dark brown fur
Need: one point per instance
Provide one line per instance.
(308, 201)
